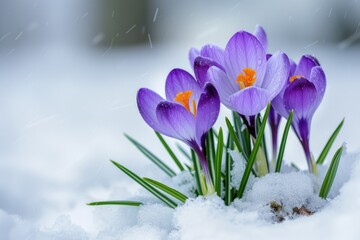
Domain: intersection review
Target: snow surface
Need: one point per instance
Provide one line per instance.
(64, 111)
(208, 217)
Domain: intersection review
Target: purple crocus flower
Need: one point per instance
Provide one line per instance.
(248, 81)
(211, 55)
(274, 117)
(187, 114)
(303, 94)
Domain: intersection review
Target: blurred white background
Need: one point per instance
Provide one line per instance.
(70, 70)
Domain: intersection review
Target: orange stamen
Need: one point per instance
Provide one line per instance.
(293, 78)
(246, 78)
(183, 98)
(194, 107)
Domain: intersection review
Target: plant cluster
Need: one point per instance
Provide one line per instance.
(246, 79)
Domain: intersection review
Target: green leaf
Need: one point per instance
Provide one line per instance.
(171, 153)
(172, 192)
(228, 197)
(183, 151)
(329, 143)
(330, 175)
(115, 202)
(218, 162)
(197, 171)
(295, 166)
(283, 142)
(263, 142)
(253, 154)
(145, 185)
(243, 134)
(152, 157)
(233, 135)
(210, 153)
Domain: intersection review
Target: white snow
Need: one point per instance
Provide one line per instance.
(63, 115)
(209, 218)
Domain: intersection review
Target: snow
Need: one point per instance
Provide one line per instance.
(209, 218)
(63, 114)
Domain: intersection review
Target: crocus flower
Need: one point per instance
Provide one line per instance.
(248, 81)
(275, 117)
(303, 93)
(211, 55)
(187, 114)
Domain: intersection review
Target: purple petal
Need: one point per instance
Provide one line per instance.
(179, 80)
(193, 53)
(305, 65)
(292, 67)
(277, 73)
(278, 104)
(207, 112)
(223, 85)
(250, 101)
(201, 67)
(213, 52)
(176, 121)
(245, 51)
(147, 101)
(301, 97)
(317, 77)
(261, 35)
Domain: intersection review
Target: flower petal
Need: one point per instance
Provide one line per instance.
(147, 101)
(180, 80)
(301, 97)
(277, 73)
(292, 67)
(176, 121)
(201, 67)
(250, 101)
(305, 65)
(213, 52)
(260, 34)
(317, 77)
(278, 104)
(244, 50)
(193, 53)
(223, 85)
(207, 112)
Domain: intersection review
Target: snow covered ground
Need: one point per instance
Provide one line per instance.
(63, 113)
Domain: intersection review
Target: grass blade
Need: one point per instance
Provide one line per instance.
(183, 151)
(283, 142)
(172, 192)
(293, 165)
(330, 175)
(233, 135)
(171, 153)
(218, 162)
(228, 197)
(197, 171)
(263, 142)
(253, 154)
(145, 185)
(115, 202)
(329, 143)
(243, 134)
(151, 156)
(210, 153)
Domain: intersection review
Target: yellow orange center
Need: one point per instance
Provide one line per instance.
(246, 78)
(293, 78)
(184, 98)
